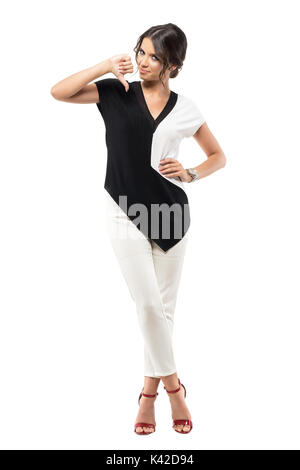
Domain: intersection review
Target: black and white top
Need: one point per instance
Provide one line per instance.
(136, 143)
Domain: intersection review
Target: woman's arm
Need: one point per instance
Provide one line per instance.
(77, 89)
(171, 167)
(215, 155)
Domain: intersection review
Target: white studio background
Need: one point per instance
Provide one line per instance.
(71, 349)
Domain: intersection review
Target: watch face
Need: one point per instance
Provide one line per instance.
(193, 172)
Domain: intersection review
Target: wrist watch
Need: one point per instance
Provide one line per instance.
(194, 173)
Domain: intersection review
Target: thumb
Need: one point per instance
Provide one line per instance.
(123, 81)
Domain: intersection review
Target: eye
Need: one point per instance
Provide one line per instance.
(142, 52)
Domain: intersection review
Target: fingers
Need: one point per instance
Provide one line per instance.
(126, 57)
(173, 173)
(126, 63)
(171, 169)
(125, 67)
(125, 70)
(125, 60)
(168, 159)
(169, 162)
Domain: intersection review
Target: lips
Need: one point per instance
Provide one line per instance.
(144, 71)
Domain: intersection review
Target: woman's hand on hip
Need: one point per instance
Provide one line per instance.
(170, 167)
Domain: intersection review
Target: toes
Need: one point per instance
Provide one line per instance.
(144, 429)
(181, 427)
(178, 427)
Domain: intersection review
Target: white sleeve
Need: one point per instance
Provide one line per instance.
(193, 118)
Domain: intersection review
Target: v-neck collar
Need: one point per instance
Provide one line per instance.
(137, 86)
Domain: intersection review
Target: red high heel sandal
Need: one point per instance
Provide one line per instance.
(146, 425)
(181, 421)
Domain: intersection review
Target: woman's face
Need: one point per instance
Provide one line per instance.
(148, 61)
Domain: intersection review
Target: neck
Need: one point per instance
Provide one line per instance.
(156, 87)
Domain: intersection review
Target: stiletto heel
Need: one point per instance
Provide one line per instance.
(180, 421)
(145, 425)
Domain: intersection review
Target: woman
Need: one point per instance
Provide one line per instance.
(145, 123)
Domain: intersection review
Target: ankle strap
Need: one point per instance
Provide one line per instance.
(148, 395)
(174, 391)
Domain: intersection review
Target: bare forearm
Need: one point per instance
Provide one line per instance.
(213, 163)
(72, 84)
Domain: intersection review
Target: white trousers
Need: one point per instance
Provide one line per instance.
(153, 278)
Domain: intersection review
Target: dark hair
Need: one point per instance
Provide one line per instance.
(170, 45)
